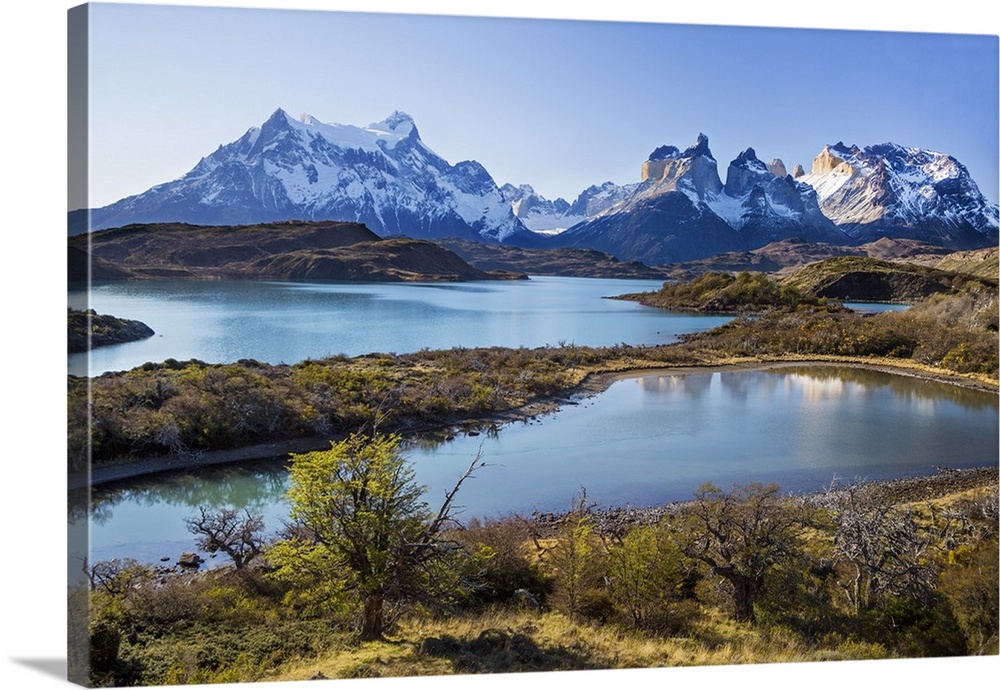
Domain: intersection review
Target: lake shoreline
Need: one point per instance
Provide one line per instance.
(617, 520)
(598, 382)
(592, 384)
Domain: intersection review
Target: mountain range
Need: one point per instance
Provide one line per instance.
(385, 177)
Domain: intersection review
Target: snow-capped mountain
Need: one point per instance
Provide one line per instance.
(552, 217)
(538, 213)
(382, 175)
(888, 190)
(766, 205)
(681, 210)
(597, 199)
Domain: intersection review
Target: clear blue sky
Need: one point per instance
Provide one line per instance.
(558, 104)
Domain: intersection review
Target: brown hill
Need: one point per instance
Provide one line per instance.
(899, 249)
(787, 256)
(867, 279)
(275, 251)
(982, 263)
(581, 263)
(776, 257)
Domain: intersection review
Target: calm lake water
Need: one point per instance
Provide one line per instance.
(644, 441)
(286, 322)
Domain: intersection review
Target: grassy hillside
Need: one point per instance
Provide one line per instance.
(867, 279)
(776, 257)
(725, 293)
(787, 256)
(982, 263)
(572, 596)
(821, 283)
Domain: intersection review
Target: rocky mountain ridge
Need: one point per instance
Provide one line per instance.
(893, 191)
(852, 196)
(681, 210)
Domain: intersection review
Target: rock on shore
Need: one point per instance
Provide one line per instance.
(86, 329)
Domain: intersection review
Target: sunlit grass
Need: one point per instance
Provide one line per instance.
(532, 642)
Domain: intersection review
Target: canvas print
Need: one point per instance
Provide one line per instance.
(424, 345)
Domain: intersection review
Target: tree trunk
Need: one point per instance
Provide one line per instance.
(744, 593)
(373, 616)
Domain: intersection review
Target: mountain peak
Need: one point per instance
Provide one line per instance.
(777, 167)
(842, 149)
(664, 152)
(278, 115)
(889, 190)
(667, 152)
(276, 125)
(381, 175)
(399, 123)
(398, 117)
(699, 148)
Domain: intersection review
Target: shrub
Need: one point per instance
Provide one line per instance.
(576, 563)
(509, 565)
(969, 584)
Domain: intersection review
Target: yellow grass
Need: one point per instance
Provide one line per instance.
(562, 644)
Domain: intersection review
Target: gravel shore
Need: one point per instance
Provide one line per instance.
(615, 521)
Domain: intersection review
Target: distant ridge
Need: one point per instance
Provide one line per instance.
(275, 251)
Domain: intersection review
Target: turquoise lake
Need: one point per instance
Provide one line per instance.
(646, 440)
(284, 322)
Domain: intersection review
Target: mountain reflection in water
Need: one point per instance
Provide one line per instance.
(645, 441)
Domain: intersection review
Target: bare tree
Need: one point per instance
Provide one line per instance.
(117, 577)
(238, 534)
(972, 519)
(888, 550)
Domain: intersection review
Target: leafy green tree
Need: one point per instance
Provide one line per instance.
(361, 521)
(645, 572)
(576, 560)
